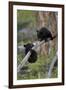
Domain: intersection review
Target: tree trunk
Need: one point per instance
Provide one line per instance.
(48, 20)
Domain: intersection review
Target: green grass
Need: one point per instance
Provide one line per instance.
(40, 68)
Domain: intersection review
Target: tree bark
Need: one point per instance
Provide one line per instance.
(48, 20)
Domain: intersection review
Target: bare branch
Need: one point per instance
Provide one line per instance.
(52, 65)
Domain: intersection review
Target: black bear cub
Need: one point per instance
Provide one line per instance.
(33, 56)
(44, 34)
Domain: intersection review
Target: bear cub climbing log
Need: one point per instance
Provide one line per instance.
(33, 56)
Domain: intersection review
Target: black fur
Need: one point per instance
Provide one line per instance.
(33, 56)
(44, 34)
(28, 47)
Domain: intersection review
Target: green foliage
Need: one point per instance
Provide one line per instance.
(25, 18)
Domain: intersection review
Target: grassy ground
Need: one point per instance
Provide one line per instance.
(39, 69)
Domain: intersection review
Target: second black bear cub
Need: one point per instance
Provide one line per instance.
(33, 56)
(44, 34)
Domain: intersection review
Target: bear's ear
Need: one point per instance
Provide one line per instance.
(24, 45)
(37, 31)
